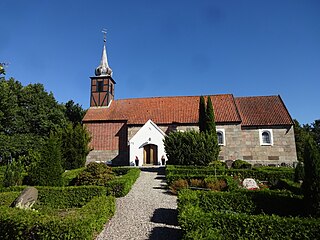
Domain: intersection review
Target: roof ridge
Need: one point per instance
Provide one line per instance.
(226, 94)
(258, 96)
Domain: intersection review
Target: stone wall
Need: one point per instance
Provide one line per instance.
(110, 142)
(244, 143)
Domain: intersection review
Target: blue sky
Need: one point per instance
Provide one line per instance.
(168, 48)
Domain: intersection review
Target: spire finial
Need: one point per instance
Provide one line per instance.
(103, 68)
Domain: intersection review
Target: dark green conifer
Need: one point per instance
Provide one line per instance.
(311, 183)
(210, 119)
(202, 114)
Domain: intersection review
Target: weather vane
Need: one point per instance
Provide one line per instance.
(104, 31)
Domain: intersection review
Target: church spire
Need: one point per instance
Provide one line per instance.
(103, 69)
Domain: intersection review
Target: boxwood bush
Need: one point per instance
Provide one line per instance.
(121, 185)
(78, 223)
(244, 215)
(272, 175)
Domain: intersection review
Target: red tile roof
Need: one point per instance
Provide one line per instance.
(164, 110)
(250, 111)
(263, 111)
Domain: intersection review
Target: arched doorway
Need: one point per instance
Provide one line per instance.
(150, 154)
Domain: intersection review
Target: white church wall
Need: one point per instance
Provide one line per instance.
(150, 133)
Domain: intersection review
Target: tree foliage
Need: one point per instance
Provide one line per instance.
(191, 148)
(28, 114)
(47, 169)
(13, 174)
(75, 146)
(210, 125)
(311, 183)
(202, 114)
(74, 112)
(302, 133)
(95, 174)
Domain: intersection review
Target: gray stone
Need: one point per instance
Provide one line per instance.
(250, 183)
(26, 199)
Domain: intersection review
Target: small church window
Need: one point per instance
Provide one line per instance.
(266, 137)
(221, 137)
(100, 86)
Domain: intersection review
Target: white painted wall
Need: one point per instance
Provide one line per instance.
(149, 133)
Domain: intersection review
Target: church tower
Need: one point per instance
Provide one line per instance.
(102, 84)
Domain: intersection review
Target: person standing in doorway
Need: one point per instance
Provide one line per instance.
(137, 161)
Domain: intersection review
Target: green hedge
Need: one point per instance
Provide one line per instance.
(244, 215)
(81, 223)
(271, 175)
(199, 224)
(251, 202)
(62, 197)
(69, 176)
(120, 186)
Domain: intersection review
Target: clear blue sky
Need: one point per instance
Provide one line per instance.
(168, 48)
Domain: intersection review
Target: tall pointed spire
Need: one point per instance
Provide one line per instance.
(103, 69)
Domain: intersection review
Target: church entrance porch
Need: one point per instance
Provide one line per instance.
(150, 154)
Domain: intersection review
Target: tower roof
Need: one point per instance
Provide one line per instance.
(103, 69)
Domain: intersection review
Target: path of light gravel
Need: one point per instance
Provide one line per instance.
(148, 211)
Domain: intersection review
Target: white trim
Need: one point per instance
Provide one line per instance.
(223, 136)
(269, 131)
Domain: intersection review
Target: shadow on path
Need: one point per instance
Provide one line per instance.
(166, 216)
(165, 233)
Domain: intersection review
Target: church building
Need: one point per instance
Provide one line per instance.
(258, 130)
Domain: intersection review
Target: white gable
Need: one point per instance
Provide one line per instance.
(149, 133)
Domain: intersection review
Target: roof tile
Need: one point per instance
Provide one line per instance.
(164, 110)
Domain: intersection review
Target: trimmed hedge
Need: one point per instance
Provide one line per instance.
(62, 197)
(81, 223)
(69, 176)
(271, 175)
(251, 202)
(242, 215)
(120, 186)
(199, 224)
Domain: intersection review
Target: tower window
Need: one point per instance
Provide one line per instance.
(100, 86)
(221, 137)
(266, 137)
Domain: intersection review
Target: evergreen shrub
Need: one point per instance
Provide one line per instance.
(46, 170)
(120, 186)
(244, 215)
(240, 164)
(299, 172)
(69, 177)
(95, 174)
(191, 148)
(13, 174)
(76, 223)
(311, 183)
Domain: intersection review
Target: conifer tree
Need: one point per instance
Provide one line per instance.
(202, 114)
(47, 170)
(210, 120)
(311, 183)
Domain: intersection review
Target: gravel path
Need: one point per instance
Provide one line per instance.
(149, 211)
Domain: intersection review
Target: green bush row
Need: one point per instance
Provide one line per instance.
(81, 223)
(120, 186)
(198, 224)
(62, 197)
(252, 202)
(263, 174)
(244, 215)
